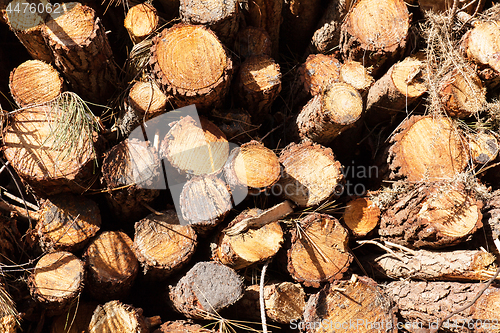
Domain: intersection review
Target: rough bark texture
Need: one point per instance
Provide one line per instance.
(34, 82)
(162, 245)
(115, 316)
(82, 52)
(252, 41)
(141, 21)
(361, 216)
(319, 251)
(181, 326)
(311, 173)
(357, 305)
(191, 64)
(205, 290)
(318, 73)
(111, 265)
(492, 215)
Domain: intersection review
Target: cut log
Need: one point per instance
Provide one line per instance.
(141, 21)
(145, 101)
(191, 64)
(330, 113)
(357, 305)
(397, 90)
(115, 316)
(462, 93)
(248, 247)
(432, 215)
(311, 173)
(220, 16)
(318, 73)
(205, 290)
(162, 245)
(111, 265)
(57, 281)
(440, 6)
(327, 36)
(27, 25)
(459, 265)
(375, 32)
(252, 41)
(67, 222)
(483, 147)
(482, 44)
(284, 302)
(204, 202)
(48, 165)
(195, 148)
(258, 84)
(355, 74)
(422, 304)
(252, 165)
(319, 251)
(72, 322)
(299, 23)
(34, 82)
(82, 52)
(181, 326)
(361, 216)
(429, 148)
(131, 170)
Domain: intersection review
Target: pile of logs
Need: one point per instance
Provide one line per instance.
(339, 170)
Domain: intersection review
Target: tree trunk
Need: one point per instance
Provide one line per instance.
(319, 251)
(141, 21)
(356, 305)
(222, 17)
(429, 148)
(67, 222)
(205, 290)
(252, 41)
(162, 244)
(82, 52)
(361, 216)
(57, 281)
(191, 64)
(111, 265)
(34, 82)
(330, 113)
(375, 32)
(115, 316)
(355, 74)
(318, 73)
(311, 174)
(72, 322)
(422, 304)
(258, 84)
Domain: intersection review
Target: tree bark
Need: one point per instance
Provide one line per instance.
(252, 41)
(361, 216)
(181, 326)
(141, 21)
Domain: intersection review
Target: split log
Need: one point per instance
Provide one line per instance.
(357, 305)
(462, 93)
(252, 165)
(205, 290)
(375, 32)
(422, 304)
(57, 281)
(145, 101)
(39, 157)
(72, 322)
(248, 247)
(191, 64)
(252, 41)
(141, 21)
(319, 251)
(28, 26)
(258, 84)
(318, 73)
(284, 302)
(355, 74)
(397, 90)
(82, 52)
(111, 265)
(459, 265)
(204, 202)
(222, 17)
(67, 222)
(311, 173)
(361, 216)
(432, 215)
(195, 148)
(484, 147)
(131, 170)
(429, 148)
(34, 82)
(440, 6)
(181, 326)
(299, 22)
(162, 244)
(115, 316)
(330, 113)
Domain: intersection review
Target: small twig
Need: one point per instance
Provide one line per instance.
(151, 209)
(261, 297)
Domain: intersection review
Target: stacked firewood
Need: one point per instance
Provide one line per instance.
(193, 166)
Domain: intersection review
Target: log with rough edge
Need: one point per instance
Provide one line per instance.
(114, 316)
(318, 73)
(141, 21)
